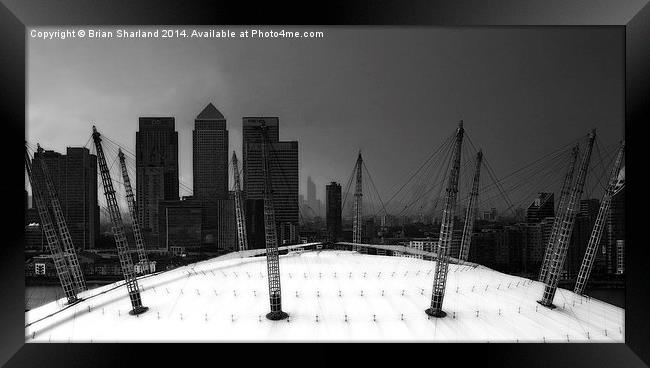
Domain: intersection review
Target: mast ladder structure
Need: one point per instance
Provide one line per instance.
(597, 231)
(69, 251)
(118, 230)
(446, 229)
(143, 261)
(271, 235)
(557, 221)
(471, 210)
(564, 233)
(60, 264)
(358, 204)
(239, 210)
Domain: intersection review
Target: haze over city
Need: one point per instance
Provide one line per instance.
(396, 94)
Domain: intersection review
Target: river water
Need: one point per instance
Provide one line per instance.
(612, 296)
(35, 296)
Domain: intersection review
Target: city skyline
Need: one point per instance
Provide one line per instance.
(537, 88)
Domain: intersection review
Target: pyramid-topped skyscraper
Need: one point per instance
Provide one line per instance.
(210, 113)
(210, 155)
(210, 164)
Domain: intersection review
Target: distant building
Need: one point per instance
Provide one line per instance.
(333, 211)
(226, 239)
(577, 246)
(156, 149)
(210, 166)
(34, 238)
(302, 204)
(26, 206)
(426, 245)
(616, 232)
(520, 214)
(179, 225)
(41, 266)
(288, 233)
(546, 228)
(536, 236)
(483, 249)
(313, 203)
(283, 167)
(510, 248)
(368, 231)
(543, 206)
(74, 177)
(620, 256)
(415, 245)
(456, 238)
(210, 154)
(32, 216)
(580, 236)
(255, 223)
(589, 208)
(80, 206)
(489, 215)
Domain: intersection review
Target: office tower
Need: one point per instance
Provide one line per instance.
(156, 149)
(55, 163)
(333, 213)
(74, 177)
(210, 167)
(543, 206)
(283, 169)
(80, 205)
(210, 155)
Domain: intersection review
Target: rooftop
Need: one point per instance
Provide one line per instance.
(329, 295)
(210, 113)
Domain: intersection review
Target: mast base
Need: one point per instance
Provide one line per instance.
(547, 305)
(435, 313)
(73, 302)
(138, 310)
(277, 316)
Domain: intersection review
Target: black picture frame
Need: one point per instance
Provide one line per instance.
(16, 15)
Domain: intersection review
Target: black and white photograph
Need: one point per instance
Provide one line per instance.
(324, 183)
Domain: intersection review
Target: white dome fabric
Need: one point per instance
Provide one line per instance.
(330, 296)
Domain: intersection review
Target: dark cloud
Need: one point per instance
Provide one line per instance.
(395, 93)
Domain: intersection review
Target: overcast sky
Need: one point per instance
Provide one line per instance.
(394, 93)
